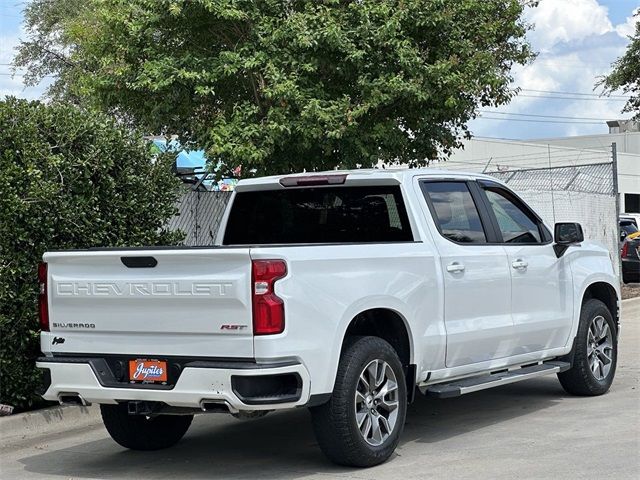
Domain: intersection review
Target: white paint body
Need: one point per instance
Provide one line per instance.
(487, 317)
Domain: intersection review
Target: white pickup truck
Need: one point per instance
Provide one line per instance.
(343, 292)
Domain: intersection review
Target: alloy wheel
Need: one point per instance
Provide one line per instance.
(376, 402)
(600, 348)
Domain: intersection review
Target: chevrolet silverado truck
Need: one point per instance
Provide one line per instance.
(344, 292)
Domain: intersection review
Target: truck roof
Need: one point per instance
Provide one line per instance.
(365, 176)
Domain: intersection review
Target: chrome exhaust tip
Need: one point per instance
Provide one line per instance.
(217, 406)
(72, 399)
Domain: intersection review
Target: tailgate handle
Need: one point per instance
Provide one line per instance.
(139, 262)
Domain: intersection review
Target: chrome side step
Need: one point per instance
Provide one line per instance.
(474, 384)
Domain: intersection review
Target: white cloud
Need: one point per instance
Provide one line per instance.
(577, 44)
(628, 28)
(566, 20)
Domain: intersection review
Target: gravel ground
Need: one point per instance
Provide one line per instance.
(630, 290)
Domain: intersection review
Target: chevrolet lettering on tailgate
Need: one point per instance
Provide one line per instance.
(141, 289)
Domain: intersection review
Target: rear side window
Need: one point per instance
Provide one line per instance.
(318, 215)
(455, 211)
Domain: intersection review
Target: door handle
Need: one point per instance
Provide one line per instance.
(519, 264)
(455, 267)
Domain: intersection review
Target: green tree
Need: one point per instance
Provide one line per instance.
(68, 179)
(626, 74)
(285, 85)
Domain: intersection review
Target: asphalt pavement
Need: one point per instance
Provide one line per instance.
(526, 430)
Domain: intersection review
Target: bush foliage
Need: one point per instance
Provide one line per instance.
(68, 179)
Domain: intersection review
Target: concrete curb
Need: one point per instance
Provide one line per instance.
(631, 300)
(24, 426)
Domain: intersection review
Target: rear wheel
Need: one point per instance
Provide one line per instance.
(361, 425)
(139, 432)
(596, 352)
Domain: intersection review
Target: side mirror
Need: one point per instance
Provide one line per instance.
(566, 234)
(623, 235)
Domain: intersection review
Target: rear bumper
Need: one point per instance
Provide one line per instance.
(631, 269)
(242, 386)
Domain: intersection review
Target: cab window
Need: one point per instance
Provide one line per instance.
(516, 223)
(454, 211)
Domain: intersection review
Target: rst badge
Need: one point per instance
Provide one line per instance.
(232, 326)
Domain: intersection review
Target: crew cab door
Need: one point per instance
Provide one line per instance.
(477, 281)
(541, 283)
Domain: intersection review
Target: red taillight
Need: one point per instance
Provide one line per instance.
(43, 308)
(625, 250)
(311, 180)
(268, 308)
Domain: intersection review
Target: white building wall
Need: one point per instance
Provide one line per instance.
(628, 175)
(628, 142)
(493, 154)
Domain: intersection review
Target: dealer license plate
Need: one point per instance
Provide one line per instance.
(147, 371)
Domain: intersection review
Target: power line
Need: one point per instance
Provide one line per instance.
(538, 121)
(536, 156)
(514, 163)
(567, 62)
(573, 93)
(540, 116)
(572, 98)
(540, 141)
(542, 158)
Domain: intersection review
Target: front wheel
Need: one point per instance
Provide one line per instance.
(139, 432)
(595, 352)
(361, 425)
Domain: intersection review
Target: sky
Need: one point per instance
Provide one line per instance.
(576, 41)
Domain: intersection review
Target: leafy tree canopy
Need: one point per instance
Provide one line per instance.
(626, 74)
(284, 85)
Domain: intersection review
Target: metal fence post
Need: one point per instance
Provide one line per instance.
(616, 193)
(614, 159)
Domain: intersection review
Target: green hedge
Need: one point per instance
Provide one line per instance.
(68, 179)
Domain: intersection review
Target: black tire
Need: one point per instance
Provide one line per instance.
(580, 379)
(335, 423)
(138, 432)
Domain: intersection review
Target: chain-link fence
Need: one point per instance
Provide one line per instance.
(584, 194)
(199, 216)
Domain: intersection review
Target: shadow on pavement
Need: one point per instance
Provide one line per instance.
(282, 445)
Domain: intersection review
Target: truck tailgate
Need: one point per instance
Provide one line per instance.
(115, 301)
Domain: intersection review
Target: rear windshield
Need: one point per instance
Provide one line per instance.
(318, 215)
